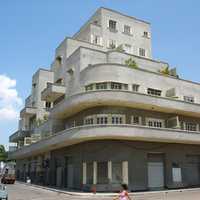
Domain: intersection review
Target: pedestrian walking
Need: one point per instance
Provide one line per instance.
(123, 195)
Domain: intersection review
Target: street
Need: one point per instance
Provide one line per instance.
(26, 192)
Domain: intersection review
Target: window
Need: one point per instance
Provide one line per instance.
(190, 126)
(89, 120)
(189, 99)
(59, 61)
(89, 173)
(102, 119)
(112, 44)
(146, 34)
(116, 86)
(158, 123)
(117, 119)
(34, 85)
(112, 25)
(125, 86)
(127, 29)
(101, 86)
(135, 87)
(102, 172)
(47, 104)
(155, 92)
(96, 39)
(135, 120)
(89, 87)
(127, 48)
(142, 52)
(117, 172)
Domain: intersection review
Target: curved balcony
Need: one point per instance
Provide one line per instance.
(81, 101)
(108, 132)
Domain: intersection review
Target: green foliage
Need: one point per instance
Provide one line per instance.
(45, 117)
(165, 71)
(39, 122)
(169, 72)
(120, 48)
(131, 63)
(3, 154)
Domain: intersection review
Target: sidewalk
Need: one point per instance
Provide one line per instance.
(75, 193)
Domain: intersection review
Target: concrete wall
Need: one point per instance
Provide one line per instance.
(136, 40)
(136, 153)
(146, 79)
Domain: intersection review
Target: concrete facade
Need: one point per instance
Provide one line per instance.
(107, 112)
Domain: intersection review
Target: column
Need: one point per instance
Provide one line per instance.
(94, 172)
(125, 171)
(84, 173)
(110, 171)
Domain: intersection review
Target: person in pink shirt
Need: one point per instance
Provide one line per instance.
(123, 195)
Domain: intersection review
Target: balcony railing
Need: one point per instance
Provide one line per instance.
(20, 134)
(111, 131)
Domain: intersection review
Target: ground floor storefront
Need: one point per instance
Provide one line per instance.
(104, 165)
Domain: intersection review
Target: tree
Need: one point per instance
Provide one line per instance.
(3, 154)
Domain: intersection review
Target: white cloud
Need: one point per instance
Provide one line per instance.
(10, 102)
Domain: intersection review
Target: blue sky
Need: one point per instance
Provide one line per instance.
(31, 30)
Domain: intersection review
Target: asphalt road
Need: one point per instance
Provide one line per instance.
(26, 192)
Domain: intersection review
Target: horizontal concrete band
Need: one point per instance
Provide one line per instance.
(81, 101)
(102, 132)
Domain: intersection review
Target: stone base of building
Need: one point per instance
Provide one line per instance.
(104, 165)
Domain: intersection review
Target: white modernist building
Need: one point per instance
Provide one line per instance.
(106, 112)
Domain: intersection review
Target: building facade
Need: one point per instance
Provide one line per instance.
(106, 112)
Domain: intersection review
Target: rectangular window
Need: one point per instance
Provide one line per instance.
(155, 92)
(112, 44)
(89, 120)
(112, 25)
(146, 34)
(89, 87)
(47, 105)
(158, 123)
(135, 87)
(116, 172)
(101, 86)
(102, 119)
(190, 126)
(142, 52)
(127, 48)
(127, 29)
(117, 119)
(89, 173)
(96, 39)
(102, 172)
(116, 86)
(135, 120)
(189, 99)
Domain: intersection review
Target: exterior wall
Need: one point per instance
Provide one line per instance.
(136, 40)
(122, 74)
(84, 32)
(136, 153)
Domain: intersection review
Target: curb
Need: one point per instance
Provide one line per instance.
(71, 193)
